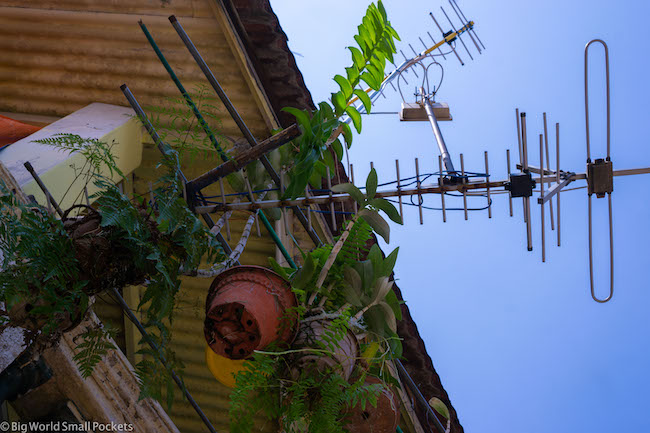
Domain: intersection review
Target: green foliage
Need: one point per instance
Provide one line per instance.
(156, 380)
(38, 266)
(178, 126)
(162, 240)
(375, 45)
(97, 153)
(96, 343)
(309, 402)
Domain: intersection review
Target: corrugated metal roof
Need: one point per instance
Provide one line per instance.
(56, 57)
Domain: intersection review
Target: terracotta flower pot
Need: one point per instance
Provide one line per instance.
(246, 310)
(312, 334)
(384, 418)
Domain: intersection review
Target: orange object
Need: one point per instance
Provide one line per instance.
(248, 307)
(12, 130)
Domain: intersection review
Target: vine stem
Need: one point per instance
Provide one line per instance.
(330, 260)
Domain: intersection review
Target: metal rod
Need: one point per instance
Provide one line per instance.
(524, 149)
(443, 35)
(354, 204)
(548, 164)
(456, 31)
(41, 185)
(442, 192)
(308, 208)
(524, 164)
(399, 189)
(252, 199)
(164, 149)
(446, 158)
(435, 43)
(329, 188)
(420, 398)
(162, 359)
(462, 169)
(555, 189)
(508, 163)
(487, 180)
(223, 199)
(464, 21)
(472, 27)
(186, 95)
(238, 120)
(417, 177)
(541, 189)
(557, 177)
(212, 80)
(587, 95)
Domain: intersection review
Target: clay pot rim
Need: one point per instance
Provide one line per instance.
(250, 268)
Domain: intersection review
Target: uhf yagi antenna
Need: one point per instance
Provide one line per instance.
(430, 53)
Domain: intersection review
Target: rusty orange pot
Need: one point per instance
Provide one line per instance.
(384, 418)
(247, 308)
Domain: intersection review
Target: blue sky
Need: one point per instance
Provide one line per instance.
(520, 345)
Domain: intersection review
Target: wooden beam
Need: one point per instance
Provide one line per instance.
(244, 158)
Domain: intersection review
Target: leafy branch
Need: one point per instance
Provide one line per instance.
(375, 39)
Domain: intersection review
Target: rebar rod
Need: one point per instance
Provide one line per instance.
(48, 197)
(418, 394)
(162, 359)
(161, 147)
(186, 95)
(238, 119)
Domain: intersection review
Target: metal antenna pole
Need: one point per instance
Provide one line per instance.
(446, 158)
(237, 118)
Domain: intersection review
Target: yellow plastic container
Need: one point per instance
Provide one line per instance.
(223, 369)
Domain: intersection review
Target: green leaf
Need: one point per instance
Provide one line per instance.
(346, 88)
(357, 58)
(376, 258)
(352, 277)
(389, 263)
(389, 314)
(388, 208)
(365, 99)
(355, 116)
(277, 268)
(439, 406)
(381, 289)
(305, 274)
(340, 103)
(365, 271)
(347, 134)
(354, 192)
(326, 109)
(352, 295)
(353, 74)
(378, 224)
(382, 11)
(338, 149)
(371, 184)
(302, 118)
(370, 80)
(394, 302)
